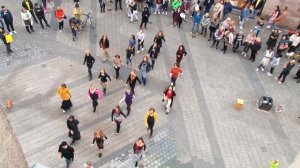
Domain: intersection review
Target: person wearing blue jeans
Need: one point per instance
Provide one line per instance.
(67, 152)
(245, 15)
(196, 21)
(144, 67)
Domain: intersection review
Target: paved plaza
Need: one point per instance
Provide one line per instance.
(202, 130)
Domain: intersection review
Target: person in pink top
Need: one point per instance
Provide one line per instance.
(95, 94)
(273, 16)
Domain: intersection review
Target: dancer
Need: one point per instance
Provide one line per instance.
(89, 60)
(67, 152)
(64, 93)
(95, 94)
(117, 118)
(128, 98)
(74, 132)
(99, 139)
(103, 79)
(169, 94)
(138, 149)
(150, 120)
(141, 38)
(174, 73)
(131, 80)
(179, 54)
(153, 53)
(117, 63)
(144, 67)
(104, 44)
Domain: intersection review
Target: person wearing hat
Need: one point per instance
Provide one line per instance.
(2, 37)
(286, 70)
(66, 152)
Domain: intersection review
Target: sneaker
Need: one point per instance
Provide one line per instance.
(159, 13)
(142, 49)
(262, 69)
(60, 31)
(257, 69)
(268, 27)
(15, 32)
(174, 88)
(10, 33)
(166, 13)
(241, 27)
(137, 51)
(64, 111)
(117, 133)
(162, 12)
(154, 13)
(245, 55)
(269, 74)
(279, 82)
(276, 78)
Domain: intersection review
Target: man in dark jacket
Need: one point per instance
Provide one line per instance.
(8, 19)
(227, 9)
(7, 45)
(27, 4)
(207, 5)
(39, 11)
(67, 152)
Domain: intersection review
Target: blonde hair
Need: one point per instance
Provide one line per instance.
(98, 133)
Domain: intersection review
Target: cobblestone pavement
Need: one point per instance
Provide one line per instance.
(202, 130)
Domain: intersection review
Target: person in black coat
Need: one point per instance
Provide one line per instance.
(153, 53)
(8, 19)
(89, 60)
(257, 5)
(67, 152)
(255, 48)
(132, 78)
(207, 4)
(7, 45)
(27, 4)
(145, 17)
(39, 12)
(159, 37)
(72, 125)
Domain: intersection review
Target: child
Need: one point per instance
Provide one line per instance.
(204, 24)
(259, 25)
(74, 31)
(238, 41)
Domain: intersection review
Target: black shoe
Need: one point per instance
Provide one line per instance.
(48, 26)
(208, 39)
(100, 154)
(72, 142)
(11, 51)
(121, 9)
(42, 27)
(295, 77)
(32, 30)
(90, 78)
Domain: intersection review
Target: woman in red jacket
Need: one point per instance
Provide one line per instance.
(60, 16)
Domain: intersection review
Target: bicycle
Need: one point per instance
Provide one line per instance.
(88, 19)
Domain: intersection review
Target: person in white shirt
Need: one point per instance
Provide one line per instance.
(27, 20)
(140, 37)
(295, 40)
(268, 55)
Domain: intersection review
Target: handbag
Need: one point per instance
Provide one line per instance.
(9, 38)
(65, 17)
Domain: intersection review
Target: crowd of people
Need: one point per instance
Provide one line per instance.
(211, 16)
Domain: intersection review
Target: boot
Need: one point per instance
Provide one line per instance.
(100, 154)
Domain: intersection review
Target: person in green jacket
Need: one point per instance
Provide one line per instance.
(274, 164)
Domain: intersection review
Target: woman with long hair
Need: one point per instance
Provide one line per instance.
(99, 139)
(131, 80)
(95, 94)
(138, 149)
(116, 117)
(273, 16)
(180, 53)
(150, 119)
(104, 44)
(103, 76)
(153, 53)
